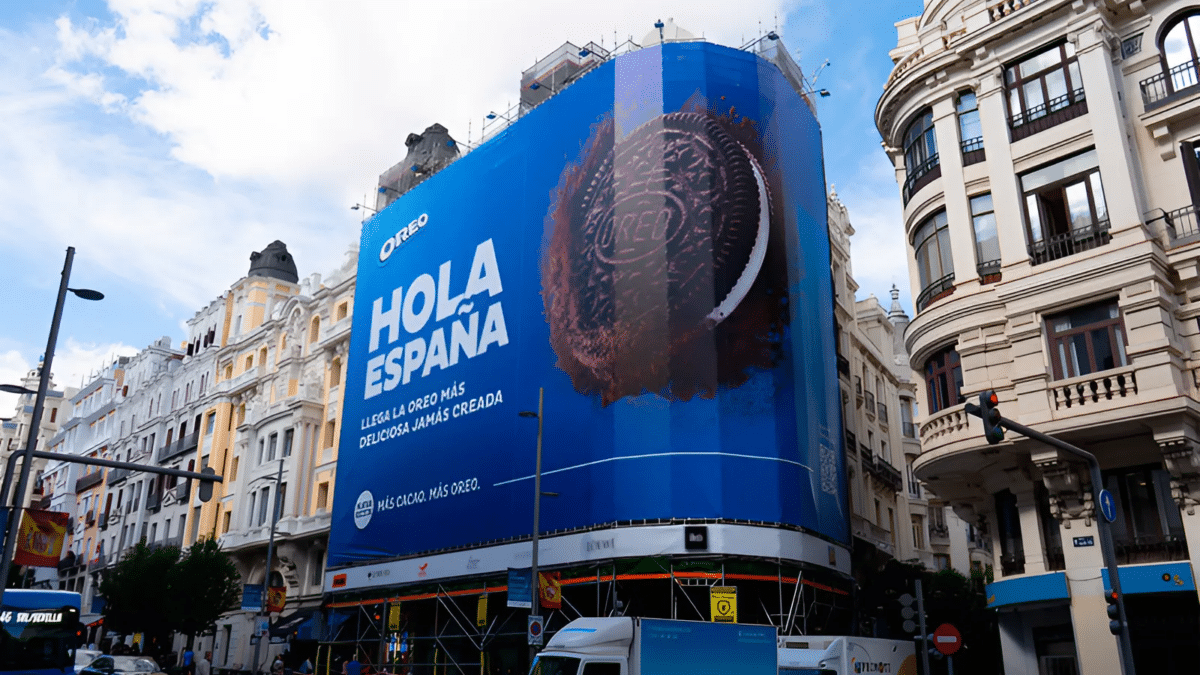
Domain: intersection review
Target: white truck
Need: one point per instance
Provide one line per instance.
(637, 646)
(845, 655)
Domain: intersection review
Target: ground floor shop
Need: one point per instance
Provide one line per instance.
(468, 626)
(1057, 623)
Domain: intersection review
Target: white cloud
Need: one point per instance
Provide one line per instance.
(13, 367)
(878, 251)
(75, 362)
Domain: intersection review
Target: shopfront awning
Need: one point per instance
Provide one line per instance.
(298, 625)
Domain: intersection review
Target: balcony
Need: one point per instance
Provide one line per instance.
(1172, 85)
(989, 271)
(939, 534)
(1005, 8)
(1091, 390)
(935, 291)
(117, 475)
(1069, 243)
(865, 454)
(887, 473)
(925, 173)
(972, 151)
(153, 502)
(1049, 114)
(88, 481)
(843, 366)
(179, 447)
(1181, 226)
(1150, 549)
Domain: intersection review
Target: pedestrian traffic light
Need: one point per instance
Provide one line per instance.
(990, 415)
(204, 491)
(1114, 612)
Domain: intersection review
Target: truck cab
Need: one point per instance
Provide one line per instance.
(589, 646)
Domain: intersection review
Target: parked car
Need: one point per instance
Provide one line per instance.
(122, 665)
(85, 656)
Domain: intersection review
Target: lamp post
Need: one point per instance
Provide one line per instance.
(36, 420)
(537, 512)
(264, 615)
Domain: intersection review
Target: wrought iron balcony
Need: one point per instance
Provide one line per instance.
(1049, 114)
(935, 291)
(116, 475)
(988, 269)
(1177, 82)
(972, 151)
(179, 447)
(91, 480)
(1069, 243)
(889, 474)
(1181, 226)
(924, 173)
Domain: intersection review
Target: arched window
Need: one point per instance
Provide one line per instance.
(314, 333)
(335, 373)
(1180, 53)
(920, 153)
(935, 266)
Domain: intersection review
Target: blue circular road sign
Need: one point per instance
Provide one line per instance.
(1108, 506)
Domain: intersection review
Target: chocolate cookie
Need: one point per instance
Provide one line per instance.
(657, 239)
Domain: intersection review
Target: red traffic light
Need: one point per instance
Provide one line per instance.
(990, 414)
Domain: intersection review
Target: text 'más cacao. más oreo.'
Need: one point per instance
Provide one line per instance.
(657, 241)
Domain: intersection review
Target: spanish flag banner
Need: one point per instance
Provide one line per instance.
(276, 598)
(550, 588)
(40, 538)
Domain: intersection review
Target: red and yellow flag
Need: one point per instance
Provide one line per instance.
(40, 538)
(550, 589)
(276, 598)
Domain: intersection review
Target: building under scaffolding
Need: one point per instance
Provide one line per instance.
(467, 628)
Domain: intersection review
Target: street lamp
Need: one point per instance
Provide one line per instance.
(266, 585)
(537, 511)
(36, 420)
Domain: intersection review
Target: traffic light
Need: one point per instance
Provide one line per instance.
(204, 491)
(1114, 612)
(990, 415)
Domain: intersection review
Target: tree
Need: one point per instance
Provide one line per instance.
(137, 591)
(203, 586)
(158, 592)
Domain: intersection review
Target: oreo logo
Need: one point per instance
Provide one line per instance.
(402, 235)
(364, 508)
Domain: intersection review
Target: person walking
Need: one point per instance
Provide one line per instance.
(204, 664)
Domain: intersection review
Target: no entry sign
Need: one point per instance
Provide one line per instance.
(947, 639)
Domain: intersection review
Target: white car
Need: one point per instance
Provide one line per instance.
(85, 656)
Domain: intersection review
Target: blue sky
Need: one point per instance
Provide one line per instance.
(168, 139)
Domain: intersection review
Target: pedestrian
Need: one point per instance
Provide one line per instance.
(307, 666)
(204, 664)
(277, 666)
(352, 667)
(188, 661)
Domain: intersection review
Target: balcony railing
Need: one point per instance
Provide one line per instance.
(889, 474)
(999, 10)
(185, 444)
(938, 531)
(1180, 80)
(865, 454)
(153, 501)
(1092, 389)
(988, 269)
(1181, 226)
(1150, 549)
(924, 173)
(115, 475)
(936, 290)
(1069, 243)
(91, 480)
(972, 151)
(1049, 114)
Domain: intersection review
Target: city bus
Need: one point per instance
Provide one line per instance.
(39, 632)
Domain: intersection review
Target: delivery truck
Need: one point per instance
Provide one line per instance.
(845, 655)
(638, 646)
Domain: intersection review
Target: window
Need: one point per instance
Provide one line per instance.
(1043, 84)
(225, 521)
(1065, 212)
(212, 421)
(935, 266)
(596, 668)
(1146, 513)
(330, 433)
(323, 496)
(1008, 527)
(987, 243)
(288, 436)
(282, 499)
(233, 471)
(342, 310)
(920, 154)
(272, 446)
(262, 504)
(167, 530)
(970, 131)
(262, 444)
(918, 532)
(317, 568)
(335, 373)
(943, 380)
(1086, 340)
(54, 416)
(315, 333)
(1179, 53)
(250, 511)
(262, 356)
(249, 362)
(941, 561)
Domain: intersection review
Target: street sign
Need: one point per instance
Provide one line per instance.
(1084, 541)
(947, 639)
(1108, 506)
(535, 631)
(723, 601)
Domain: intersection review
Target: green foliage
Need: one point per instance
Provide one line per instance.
(164, 590)
(203, 586)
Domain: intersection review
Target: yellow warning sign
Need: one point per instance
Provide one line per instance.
(481, 611)
(724, 603)
(394, 618)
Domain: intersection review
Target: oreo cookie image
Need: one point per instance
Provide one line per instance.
(658, 276)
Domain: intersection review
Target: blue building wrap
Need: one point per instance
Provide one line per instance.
(650, 247)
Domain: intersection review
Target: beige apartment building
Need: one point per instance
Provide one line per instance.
(1046, 156)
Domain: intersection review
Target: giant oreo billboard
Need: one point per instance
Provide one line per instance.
(650, 247)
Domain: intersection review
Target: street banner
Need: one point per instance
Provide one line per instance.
(252, 597)
(276, 598)
(520, 588)
(40, 538)
(550, 589)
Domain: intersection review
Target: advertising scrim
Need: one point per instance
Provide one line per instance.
(650, 247)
